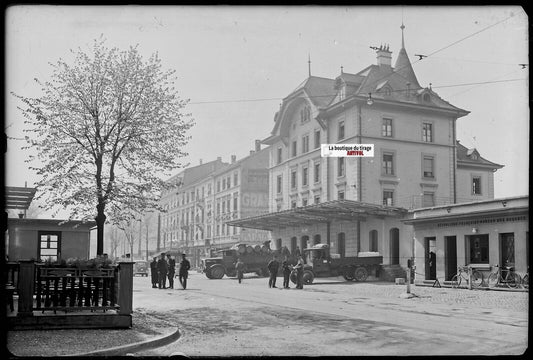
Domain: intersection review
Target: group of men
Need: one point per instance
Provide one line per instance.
(166, 268)
(273, 267)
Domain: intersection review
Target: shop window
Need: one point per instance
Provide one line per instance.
(478, 246)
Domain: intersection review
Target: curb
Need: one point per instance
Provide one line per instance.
(124, 349)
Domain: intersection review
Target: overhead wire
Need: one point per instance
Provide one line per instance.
(386, 76)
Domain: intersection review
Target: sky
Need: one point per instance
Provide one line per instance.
(236, 64)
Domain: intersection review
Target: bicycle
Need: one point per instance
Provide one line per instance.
(463, 276)
(504, 275)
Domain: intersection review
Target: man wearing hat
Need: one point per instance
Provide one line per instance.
(185, 265)
(162, 269)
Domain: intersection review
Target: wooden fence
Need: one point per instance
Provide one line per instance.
(48, 290)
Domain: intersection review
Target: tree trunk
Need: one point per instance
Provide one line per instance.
(100, 221)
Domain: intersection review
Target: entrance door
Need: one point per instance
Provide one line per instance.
(430, 256)
(507, 249)
(394, 236)
(450, 257)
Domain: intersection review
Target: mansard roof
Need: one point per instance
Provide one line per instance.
(471, 157)
(319, 90)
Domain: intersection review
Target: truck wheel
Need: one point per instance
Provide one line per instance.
(208, 274)
(348, 274)
(308, 277)
(360, 274)
(217, 271)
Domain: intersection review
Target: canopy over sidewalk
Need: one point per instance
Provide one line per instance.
(336, 210)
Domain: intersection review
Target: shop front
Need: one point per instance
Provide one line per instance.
(479, 234)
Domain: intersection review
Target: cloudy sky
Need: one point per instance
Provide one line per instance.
(236, 64)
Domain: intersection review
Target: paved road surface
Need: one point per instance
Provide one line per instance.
(333, 317)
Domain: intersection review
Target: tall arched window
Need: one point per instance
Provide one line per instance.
(293, 244)
(303, 242)
(341, 245)
(373, 240)
(316, 239)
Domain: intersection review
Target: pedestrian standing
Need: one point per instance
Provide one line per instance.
(171, 271)
(273, 266)
(153, 273)
(286, 268)
(299, 267)
(162, 269)
(239, 266)
(185, 265)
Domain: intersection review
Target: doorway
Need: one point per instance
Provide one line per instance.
(430, 256)
(450, 257)
(394, 236)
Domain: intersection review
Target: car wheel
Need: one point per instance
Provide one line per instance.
(217, 271)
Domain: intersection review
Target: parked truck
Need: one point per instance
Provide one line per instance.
(320, 263)
(255, 258)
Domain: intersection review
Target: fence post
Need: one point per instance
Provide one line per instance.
(26, 284)
(125, 287)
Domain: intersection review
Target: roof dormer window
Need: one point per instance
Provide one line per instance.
(305, 114)
(426, 97)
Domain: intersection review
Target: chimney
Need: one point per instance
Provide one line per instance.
(251, 152)
(384, 56)
(219, 158)
(257, 145)
(201, 162)
(233, 158)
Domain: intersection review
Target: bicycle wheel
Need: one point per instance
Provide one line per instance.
(492, 280)
(525, 281)
(513, 280)
(456, 281)
(477, 279)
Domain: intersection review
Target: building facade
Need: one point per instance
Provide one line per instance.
(206, 196)
(417, 163)
(479, 234)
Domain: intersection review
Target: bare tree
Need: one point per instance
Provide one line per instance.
(107, 129)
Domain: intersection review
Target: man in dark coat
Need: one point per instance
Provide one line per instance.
(185, 265)
(171, 271)
(286, 268)
(162, 269)
(153, 273)
(273, 266)
(239, 267)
